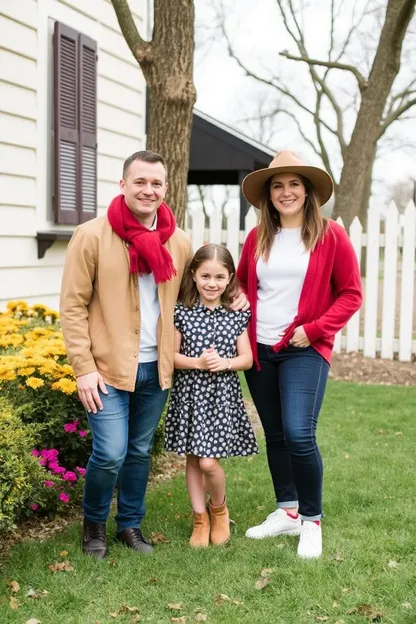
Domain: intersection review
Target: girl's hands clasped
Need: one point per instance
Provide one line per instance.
(210, 360)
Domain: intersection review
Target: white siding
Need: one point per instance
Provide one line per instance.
(26, 161)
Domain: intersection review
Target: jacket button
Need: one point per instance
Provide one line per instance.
(135, 355)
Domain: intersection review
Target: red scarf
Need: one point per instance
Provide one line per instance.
(147, 253)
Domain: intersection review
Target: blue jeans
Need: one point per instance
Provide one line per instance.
(122, 438)
(288, 393)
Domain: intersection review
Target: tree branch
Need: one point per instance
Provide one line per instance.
(395, 114)
(140, 48)
(362, 83)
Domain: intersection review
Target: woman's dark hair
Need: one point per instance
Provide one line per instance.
(188, 294)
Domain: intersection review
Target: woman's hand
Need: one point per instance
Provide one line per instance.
(299, 338)
(240, 302)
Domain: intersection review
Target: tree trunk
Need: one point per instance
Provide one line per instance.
(167, 65)
(359, 156)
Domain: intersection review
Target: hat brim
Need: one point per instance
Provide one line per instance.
(253, 183)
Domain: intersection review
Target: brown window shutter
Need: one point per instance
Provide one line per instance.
(66, 195)
(88, 127)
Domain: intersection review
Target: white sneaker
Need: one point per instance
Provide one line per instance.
(276, 523)
(310, 542)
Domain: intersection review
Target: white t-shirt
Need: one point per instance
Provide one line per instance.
(149, 314)
(280, 282)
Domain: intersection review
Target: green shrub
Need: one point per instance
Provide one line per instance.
(20, 472)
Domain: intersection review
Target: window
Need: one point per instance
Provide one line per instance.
(75, 114)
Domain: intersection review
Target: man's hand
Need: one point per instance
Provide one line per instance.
(240, 303)
(88, 391)
(299, 338)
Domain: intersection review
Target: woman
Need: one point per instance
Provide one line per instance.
(302, 279)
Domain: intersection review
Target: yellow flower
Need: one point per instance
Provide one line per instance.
(11, 306)
(8, 375)
(26, 372)
(34, 382)
(65, 385)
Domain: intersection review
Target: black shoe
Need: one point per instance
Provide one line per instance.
(134, 538)
(94, 540)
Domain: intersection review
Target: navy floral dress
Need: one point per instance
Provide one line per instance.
(206, 415)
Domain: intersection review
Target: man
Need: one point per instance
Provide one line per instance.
(120, 284)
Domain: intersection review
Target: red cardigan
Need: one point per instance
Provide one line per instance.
(330, 295)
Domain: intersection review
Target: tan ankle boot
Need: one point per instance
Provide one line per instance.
(220, 523)
(200, 534)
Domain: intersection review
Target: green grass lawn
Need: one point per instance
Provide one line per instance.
(367, 573)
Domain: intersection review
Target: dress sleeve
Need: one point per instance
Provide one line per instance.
(178, 317)
(243, 321)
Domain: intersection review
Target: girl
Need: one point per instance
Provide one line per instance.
(207, 419)
(302, 279)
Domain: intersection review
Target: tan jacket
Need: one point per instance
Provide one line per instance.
(100, 307)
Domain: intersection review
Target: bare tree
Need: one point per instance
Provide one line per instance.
(167, 65)
(351, 116)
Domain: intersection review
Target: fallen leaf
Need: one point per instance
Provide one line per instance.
(266, 572)
(159, 538)
(63, 553)
(61, 566)
(221, 598)
(399, 433)
(322, 618)
(237, 602)
(13, 603)
(335, 605)
(200, 617)
(175, 606)
(340, 622)
(124, 609)
(113, 563)
(368, 611)
(346, 455)
(33, 621)
(179, 620)
(14, 587)
(36, 594)
(406, 605)
(262, 582)
(337, 557)
(153, 579)
(135, 619)
(260, 507)
(393, 564)
(346, 590)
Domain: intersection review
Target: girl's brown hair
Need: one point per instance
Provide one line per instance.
(314, 224)
(188, 294)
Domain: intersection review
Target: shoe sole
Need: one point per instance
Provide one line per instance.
(294, 532)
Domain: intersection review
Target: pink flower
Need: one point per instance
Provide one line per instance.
(34, 507)
(43, 461)
(56, 468)
(81, 471)
(35, 453)
(48, 483)
(71, 427)
(82, 433)
(70, 476)
(49, 454)
(64, 497)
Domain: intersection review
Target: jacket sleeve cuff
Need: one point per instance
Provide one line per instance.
(313, 331)
(85, 368)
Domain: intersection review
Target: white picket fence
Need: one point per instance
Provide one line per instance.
(385, 324)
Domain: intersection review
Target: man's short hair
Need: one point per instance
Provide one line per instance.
(145, 156)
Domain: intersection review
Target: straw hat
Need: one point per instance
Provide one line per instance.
(287, 162)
